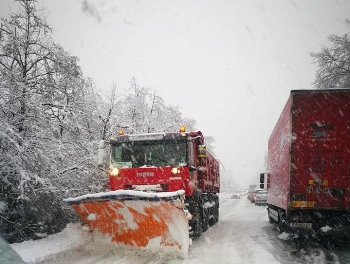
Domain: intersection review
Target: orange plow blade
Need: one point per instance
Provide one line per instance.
(136, 218)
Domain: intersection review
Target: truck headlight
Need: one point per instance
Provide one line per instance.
(175, 170)
(113, 171)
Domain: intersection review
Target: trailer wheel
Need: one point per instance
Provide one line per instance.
(300, 241)
(281, 226)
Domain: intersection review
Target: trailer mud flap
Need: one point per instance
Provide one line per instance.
(136, 219)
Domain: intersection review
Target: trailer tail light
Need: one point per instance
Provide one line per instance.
(303, 204)
(318, 182)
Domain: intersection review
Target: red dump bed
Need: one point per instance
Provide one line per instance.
(211, 175)
(309, 152)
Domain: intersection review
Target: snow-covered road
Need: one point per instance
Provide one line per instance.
(242, 236)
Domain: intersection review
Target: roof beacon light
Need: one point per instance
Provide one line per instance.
(182, 129)
(121, 132)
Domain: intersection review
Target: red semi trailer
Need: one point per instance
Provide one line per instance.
(308, 178)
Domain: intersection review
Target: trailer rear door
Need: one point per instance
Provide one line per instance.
(321, 149)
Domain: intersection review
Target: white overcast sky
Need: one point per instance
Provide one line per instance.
(229, 64)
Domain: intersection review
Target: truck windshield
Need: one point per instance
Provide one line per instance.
(158, 153)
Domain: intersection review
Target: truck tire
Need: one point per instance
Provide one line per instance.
(205, 213)
(197, 225)
(216, 211)
(212, 219)
(281, 226)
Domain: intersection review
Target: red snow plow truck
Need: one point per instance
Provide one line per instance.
(308, 176)
(163, 189)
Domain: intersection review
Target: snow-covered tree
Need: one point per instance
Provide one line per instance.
(108, 108)
(142, 111)
(45, 144)
(135, 108)
(333, 63)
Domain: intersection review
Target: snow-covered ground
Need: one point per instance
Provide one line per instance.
(243, 235)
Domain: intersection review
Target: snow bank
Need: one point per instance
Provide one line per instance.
(76, 241)
(73, 236)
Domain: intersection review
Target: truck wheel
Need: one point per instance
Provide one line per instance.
(205, 217)
(213, 211)
(212, 220)
(197, 224)
(281, 227)
(217, 215)
(300, 241)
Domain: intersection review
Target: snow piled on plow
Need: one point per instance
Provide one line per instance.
(127, 194)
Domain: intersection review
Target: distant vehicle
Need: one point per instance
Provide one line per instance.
(251, 195)
(235, 196)
(251, 189)
(261, 198)
(308, 175)
(244, 192)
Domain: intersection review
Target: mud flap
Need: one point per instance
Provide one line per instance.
(135, 218)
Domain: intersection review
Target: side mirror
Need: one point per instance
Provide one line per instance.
(262, 180)
(101, 153)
